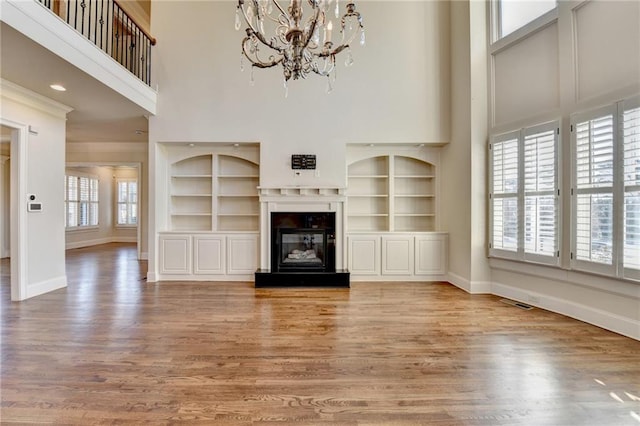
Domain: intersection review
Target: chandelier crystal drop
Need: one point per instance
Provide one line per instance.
(300, 36)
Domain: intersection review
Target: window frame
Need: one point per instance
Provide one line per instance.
(499, 42)
(79, 202)
(616, 269)
(627, 104)
(520, 253)
(128, 203)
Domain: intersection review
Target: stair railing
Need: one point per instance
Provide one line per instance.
(110, 28)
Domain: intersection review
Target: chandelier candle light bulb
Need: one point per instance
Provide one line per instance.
(290, 36)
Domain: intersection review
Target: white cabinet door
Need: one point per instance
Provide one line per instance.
(364, 254)
(242, 254)
(397, 255)
(208, 254)
(431, 254)
(175, 254)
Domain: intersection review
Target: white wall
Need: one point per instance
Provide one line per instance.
(464, 165)
(44, 155)
(119, 153)
(585, 56)
(397, 91)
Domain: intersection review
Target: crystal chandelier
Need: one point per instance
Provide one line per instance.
(302, 45)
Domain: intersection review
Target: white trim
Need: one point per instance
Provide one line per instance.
(521, 33)
(143, 256)
(405, 278)
(32, 99)
(471, 287)
(46, 286)
(98, 241)
(18, 219)
(249, 278)
(45, 28)
(93, 147)
(606, 284)
(607, 320)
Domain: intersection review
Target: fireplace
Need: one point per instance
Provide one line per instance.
(303, 242)
(301, 238)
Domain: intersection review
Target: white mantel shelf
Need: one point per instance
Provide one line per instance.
(306, 191)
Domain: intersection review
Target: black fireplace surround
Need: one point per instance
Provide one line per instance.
(302, 251)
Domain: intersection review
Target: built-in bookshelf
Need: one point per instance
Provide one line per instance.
(391, 193)
(214, 193)
(191, 194)
(237, 194)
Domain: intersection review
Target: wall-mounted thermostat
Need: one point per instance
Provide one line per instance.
(34, 207)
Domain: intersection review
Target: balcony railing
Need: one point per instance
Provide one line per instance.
(110, 28)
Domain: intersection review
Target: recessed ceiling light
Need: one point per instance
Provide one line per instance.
(58, 87)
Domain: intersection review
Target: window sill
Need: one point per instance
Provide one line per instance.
(126, 226)
(626, 287)
(77, 229)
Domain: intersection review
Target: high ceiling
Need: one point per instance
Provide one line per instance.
(99, 113)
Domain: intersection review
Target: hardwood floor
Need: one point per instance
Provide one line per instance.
(114, 349)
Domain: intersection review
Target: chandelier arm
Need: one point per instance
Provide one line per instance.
(255, 32)
(264, 41)
(255, 60)
(282, 11)
(313, 27)
(324, 72)
(246, 17)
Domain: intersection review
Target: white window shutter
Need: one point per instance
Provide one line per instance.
(631, 181)
(540, 193)
(504, 195)
(593, 215)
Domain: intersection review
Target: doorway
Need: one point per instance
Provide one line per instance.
(110, 225)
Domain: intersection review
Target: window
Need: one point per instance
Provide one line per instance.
(524, 196)
(606, 190)
(127, 202)
(511, 15)
(81, 201)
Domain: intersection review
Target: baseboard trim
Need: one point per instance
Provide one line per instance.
(471, 287)
(407, 278)
(36, 289)
(607, 320)
(189, 277)
(99, 241)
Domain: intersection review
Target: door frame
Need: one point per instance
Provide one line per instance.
(18, 211)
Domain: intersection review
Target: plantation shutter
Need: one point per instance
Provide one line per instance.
(540, 193)
(504, 193)
(84, 201)
(93, 202)
(631, 182)
(593, 194)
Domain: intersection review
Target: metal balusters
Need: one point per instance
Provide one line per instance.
(109, 27)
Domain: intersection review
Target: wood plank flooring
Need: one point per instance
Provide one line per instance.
(114, 349)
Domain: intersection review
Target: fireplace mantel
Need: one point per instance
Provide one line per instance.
(301, 199)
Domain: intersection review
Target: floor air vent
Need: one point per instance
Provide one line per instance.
(517, 304)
